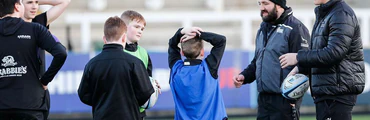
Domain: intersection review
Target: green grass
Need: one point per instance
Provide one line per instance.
(354, 117)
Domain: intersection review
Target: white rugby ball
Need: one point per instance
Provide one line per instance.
(294, 86)
(153, 99)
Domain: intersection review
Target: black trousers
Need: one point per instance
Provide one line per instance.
(276, 107)
(21, 115)
(333, 110)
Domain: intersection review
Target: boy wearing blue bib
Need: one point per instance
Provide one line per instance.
(194, 82)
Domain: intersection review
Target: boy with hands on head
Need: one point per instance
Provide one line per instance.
(194, 81)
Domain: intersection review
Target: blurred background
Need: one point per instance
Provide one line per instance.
(80, 29)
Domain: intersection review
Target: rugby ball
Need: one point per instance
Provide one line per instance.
(153, 99)
(294, 86)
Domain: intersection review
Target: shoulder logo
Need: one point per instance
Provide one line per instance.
(280, 30)
(24, 36)
(8, 61)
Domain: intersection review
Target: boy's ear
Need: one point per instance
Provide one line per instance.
(124, 38)
(105, 40)
(202, 53)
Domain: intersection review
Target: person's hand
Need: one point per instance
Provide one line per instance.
(191, 31)
(288, 59)
(186, 38)
(238, 80)
(158, 86)
(293, 72)
(45, 87)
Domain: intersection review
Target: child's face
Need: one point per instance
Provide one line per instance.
(134, 31)
(30, 8)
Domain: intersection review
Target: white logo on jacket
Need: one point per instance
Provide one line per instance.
(8, 61)
(24, 36)
(11, 71)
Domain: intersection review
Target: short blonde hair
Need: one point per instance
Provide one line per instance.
(130, 15)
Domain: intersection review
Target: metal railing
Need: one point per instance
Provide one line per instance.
(188, 18)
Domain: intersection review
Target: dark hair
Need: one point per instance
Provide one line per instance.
(7, 7)
(130, 15)
(192, 48)
(114, 28)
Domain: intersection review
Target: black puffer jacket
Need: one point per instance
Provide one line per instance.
(336, 57)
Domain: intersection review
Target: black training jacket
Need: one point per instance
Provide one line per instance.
(20, 84)
(115, 84)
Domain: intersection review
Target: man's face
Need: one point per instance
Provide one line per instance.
(30, 8)
(319, 2)
(268, 10)
(134, 31)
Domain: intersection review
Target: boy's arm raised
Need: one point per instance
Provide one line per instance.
(58, 8)
(214, 58)
(173, 49)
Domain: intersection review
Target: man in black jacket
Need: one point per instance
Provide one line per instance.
(280, 33)
(22, 91)
(335, 62)
(114, 82)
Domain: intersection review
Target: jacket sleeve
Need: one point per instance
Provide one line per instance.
(339, 39)
(249, 73)
(299, 39)
(46, 41)
(173, 49)
(141, 83)
(214, 58)
(84, 90)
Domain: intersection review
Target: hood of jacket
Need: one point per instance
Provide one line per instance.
(9, 25)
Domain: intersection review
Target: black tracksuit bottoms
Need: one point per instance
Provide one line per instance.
(333, 110)
(276, 107)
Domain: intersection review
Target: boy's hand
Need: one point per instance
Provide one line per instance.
(186, 38)
(158, 86)
(238, 81)
(191, 31)
(45, 87)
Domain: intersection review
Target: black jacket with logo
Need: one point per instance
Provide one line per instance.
(115, 84)
(286, 35)
(20, 85)
(336, 58)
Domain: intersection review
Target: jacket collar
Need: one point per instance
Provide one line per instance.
(287, 12)
(131, 47)
(112, 46)
(323, 9)
(191, 62)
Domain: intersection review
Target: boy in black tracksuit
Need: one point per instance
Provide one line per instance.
(22, 90)
(114, 82)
